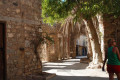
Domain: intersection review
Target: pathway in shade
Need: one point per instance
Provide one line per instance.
(72, 69)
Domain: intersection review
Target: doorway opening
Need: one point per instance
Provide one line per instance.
(81, 47)
(2, 52)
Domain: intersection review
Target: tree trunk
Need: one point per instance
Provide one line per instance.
(101, 33)
(64, 53)
(98, 23)
(96, 50)
(89, 46)
(68, 46)
(73, 46)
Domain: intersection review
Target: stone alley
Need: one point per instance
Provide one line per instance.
(72, 69)
(59, 39)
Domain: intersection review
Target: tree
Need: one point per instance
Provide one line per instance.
(56, 11)
(37, 41)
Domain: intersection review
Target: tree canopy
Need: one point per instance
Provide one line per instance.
(55, 11)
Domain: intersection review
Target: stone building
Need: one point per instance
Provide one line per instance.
(18, 21)
(112, 29)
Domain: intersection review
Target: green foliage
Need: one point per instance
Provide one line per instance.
(89, 8)
(49, 39)
(45, 39)
(55, 11)
(112, 7)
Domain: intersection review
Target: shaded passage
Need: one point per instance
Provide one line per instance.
(72, 69)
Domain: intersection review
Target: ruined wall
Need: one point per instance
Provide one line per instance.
(53, 50)
(61, 52)
(60, 49)
(50, 52)
(21, 17)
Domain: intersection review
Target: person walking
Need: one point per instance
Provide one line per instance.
(113, 63)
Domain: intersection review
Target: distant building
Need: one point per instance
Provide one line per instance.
(81, 46)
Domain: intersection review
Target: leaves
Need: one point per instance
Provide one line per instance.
(56, 11)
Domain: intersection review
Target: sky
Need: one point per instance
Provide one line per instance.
(63, 0)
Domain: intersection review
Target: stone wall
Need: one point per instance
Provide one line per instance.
(60, 49)
(22, 17)
(112, 29)
(50, 51)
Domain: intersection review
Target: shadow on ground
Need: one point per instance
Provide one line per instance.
(65, 65)
(78, 78)
(72, 69)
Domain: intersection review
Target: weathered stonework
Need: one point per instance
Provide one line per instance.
(22, 17)
(50, 51)
(112, 29)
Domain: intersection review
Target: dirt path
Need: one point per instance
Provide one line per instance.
(73, 70)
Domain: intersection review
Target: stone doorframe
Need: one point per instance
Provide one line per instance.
(4, 50)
